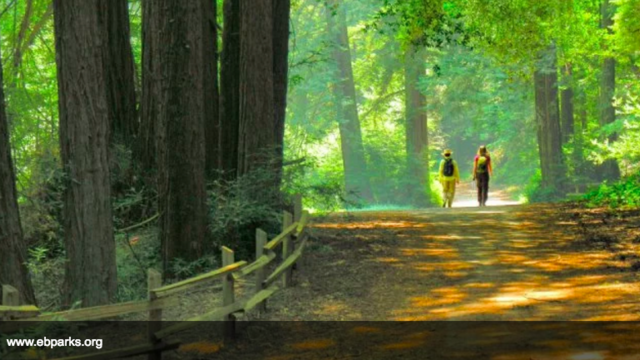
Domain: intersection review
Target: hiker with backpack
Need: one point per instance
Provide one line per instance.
(482, 172)
(449, 177)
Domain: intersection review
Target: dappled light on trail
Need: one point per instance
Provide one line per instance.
(508, 277)
(492, 263)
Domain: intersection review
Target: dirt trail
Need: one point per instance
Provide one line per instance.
(511, 262)
(505, 262)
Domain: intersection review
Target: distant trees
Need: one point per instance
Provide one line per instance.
(83, 93)
(417, 136)
(566, 102)
(609, 170)
(548, 120)
(356, 173)
(13, 251)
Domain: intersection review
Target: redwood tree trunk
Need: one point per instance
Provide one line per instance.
(81, 49)
(566, 96)
(230, 89)
(119, 67)
(154, 80)
(281, 16)
(548, 120)
(256, 140)
(416, 130)
(210, 86)
(179, 56)
(609, 170)
(13, 251)
(353, 156)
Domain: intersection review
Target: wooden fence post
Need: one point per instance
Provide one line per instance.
(297, 215)
(297, 207)
(228, 296)
(154, 281)
(261, 240)
(10, 296)
(287, 248)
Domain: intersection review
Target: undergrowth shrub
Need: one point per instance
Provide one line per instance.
(237, 208)
(624, 193)
(534, 192)
(321, 187)
(136, 252)
(40, 201)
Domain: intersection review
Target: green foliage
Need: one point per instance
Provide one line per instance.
(625, 193)
(534, 192)
(46, 269)
(41, 204)
(238, 207)
(135, 253)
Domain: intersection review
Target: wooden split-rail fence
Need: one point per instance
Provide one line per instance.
(291, 242)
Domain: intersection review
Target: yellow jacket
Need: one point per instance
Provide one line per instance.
(456, 172)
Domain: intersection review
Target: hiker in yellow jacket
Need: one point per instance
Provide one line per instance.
(449, 177)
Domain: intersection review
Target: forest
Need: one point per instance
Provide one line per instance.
(140, 134)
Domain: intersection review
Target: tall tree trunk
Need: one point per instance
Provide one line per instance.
(230, 89)
(84, 143)
(578, 134)
(13, 251)
(210, 86)
(180, 126)
(119, 67)
(256, 141)
(281, 17)
(566, 99)
(609, 170)
(353, 156)
(548, 120)
(154, 80)
(416, 130)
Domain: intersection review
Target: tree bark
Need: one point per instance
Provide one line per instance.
(154, 80)
(416, 130)
(230, 89)
(177, 57)
(81, 49)
(578, 134)
(281, 19)
(609, 170)
(356, 174)
(210, 86)
(548, 120)
(13, 251)
(119, 67)
(256, 140)
(566, 98)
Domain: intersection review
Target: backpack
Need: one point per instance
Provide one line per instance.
(448, 167)
(482, 164)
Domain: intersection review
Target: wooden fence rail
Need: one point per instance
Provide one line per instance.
(293, 239)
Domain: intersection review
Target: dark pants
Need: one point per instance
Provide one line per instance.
(482, 181)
